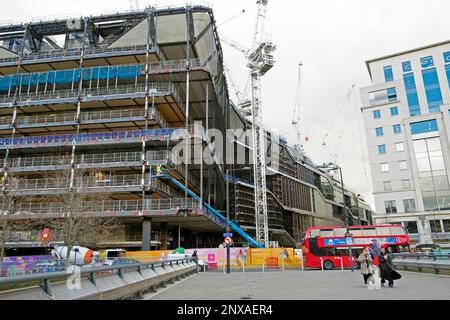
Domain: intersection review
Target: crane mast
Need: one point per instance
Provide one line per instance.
(298, 107)
(260, 60)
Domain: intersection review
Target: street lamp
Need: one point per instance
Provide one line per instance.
(76, 250)
(228, 211)
(332, 167)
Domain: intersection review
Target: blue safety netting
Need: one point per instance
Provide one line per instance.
(69, 76)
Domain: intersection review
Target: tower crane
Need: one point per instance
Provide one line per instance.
(259, 60)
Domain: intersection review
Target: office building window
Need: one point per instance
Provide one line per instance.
(392, 94)
(382, 149)
(406, 184)
(390, 206)
(397, 129)
(403, 165)
(427, 62)
(411, 226)
(411, 94)
(447, 71)
(400, 147)
(379, 132)
(406, 66)
(433, 179)
(432, 89)
(384, 96)
(385, 167)
(387, 186)
(435, 226)
(388, 74)
(377, 114)
(424, 127)
(394, 111)
(409, 205)
(446, 225)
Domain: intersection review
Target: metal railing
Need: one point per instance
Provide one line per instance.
(60, 54)
(154, 89)
(422, 262)
(158, 134)
(144, 277)
(158, 156)
(107, 206)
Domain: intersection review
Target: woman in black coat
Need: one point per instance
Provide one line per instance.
(387, 271)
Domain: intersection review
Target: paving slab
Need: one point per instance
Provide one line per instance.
(307, 285)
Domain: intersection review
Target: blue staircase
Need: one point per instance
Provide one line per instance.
(212, 213)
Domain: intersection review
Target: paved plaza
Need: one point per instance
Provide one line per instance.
(298, 285)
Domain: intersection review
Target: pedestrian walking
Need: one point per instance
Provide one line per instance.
(365, 260)
(387, 269)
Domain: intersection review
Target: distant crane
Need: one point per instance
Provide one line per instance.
(296, 121)
(260, 61)
(134, 4)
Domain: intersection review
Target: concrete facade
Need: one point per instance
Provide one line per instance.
(406, 116)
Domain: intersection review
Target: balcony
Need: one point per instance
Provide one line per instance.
(75, 54)
(68, 96)
(87, 117)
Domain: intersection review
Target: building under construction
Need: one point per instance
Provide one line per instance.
(109, 92)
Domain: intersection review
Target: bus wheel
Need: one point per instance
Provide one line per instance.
(327, 265)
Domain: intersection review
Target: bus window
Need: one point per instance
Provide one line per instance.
(356, 232)
(383, 231)
(397, 230)
(369, 232)
(340, 232)
(327, 233)
(314, 233)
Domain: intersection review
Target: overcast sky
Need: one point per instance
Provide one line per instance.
(332, 38)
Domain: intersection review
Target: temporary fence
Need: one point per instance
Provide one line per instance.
(241, 259)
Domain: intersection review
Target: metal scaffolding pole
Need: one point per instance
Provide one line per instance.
(187, 146)
(14, 103)
(78, 116)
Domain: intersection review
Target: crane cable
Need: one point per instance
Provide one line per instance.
(341, 108)
(236, 15)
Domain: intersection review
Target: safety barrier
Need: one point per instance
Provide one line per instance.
(102, 283)
(83, 160)
(57, 55)
(113, 206)
(68, 76)
(241, 259)
(423, 262)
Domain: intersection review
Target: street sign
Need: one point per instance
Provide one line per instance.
(349, 241)
(228, 240)
(228, 235)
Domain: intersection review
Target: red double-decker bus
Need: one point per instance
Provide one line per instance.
(328, 246)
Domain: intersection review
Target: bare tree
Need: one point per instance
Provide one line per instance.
(9, 203)
(79, 200)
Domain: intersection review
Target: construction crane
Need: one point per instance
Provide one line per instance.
(259, 60)
(134, 4)
(298, 109)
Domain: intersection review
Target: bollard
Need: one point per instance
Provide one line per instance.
(263, 264)
(303, 264)
(282, 264)
(342, 264)
(321, 262)
(243, 267)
